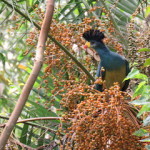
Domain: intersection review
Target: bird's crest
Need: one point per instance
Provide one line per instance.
(93, 35)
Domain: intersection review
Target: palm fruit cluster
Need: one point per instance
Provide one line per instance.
(102, 121)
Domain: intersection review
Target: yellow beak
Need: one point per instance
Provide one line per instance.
(88, 44)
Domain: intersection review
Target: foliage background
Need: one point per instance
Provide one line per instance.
(129, 32)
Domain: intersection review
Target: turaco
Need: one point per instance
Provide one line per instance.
(113, 67)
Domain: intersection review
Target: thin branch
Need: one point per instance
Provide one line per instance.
(31, 124)
(55, 41)
(16, 142)
(33, 76)
(52, 145)
(39, 118)
(3, 117)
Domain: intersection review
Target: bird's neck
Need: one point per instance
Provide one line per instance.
(102, 50)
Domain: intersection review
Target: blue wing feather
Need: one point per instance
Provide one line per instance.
(100, 73)
(127, 71)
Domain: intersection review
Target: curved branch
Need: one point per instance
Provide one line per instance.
(33, 76)
(16, 142)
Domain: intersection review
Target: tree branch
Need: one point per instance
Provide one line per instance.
(26, 121)
(16, 142)
(33, 76)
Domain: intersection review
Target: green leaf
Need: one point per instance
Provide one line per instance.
(132, 73)
(147, 62)
(145, 97)
(39, 111)
(135, 73)
(145, 108)
(144, 50)
(139, 90)
(30, 133)
(147, 147)
(142, 90)
(139, 102)
(146, 121)
(147, 12)
(141, 132)
(141, 76)
(29, 2)
(2, 58)
(145, 140)
(20, 57)
(24, 133)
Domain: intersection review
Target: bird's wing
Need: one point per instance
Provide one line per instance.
(98, 70)
(127, 81)
(100, 73)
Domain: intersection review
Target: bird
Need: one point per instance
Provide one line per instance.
(112, 67)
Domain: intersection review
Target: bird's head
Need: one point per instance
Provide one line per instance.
(94, 38)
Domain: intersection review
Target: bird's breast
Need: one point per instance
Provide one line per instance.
(112, 76)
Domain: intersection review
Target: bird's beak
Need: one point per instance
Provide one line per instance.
(87, 45)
